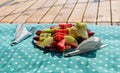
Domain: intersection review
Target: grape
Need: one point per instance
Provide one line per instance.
(39, 32)
(36, 38)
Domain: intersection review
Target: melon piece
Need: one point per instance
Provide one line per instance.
(81, 30)
(47, 41)
(72, 32)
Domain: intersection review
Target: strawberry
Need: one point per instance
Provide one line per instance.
(64, 26)
(59, 33)
(61, 45)
(62, 31)
(58, 38)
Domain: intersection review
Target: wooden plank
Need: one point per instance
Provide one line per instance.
(11, 17)
(49, 17)
(115, 4)
(78, 12)
(104, 12)
(25, 15)
(9, 9)
(66, 11)
(91, 12)
(37, 16)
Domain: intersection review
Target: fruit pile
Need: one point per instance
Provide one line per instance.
(62, 37)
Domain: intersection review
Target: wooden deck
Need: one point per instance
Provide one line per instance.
(60, 11)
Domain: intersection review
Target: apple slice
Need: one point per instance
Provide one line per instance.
(70, 40)
(47, 41)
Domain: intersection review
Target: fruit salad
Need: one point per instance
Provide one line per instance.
(62, 37)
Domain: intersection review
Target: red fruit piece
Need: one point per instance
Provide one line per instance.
(61, 45)
(74, 45)
(58, 38)
(39, 32)
(59, 33)
(90, 33)
(64, 26)
(36, 38)
(62, 31)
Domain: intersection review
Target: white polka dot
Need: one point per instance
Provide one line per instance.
(8, 65)
(82, 62)
(2, 59)
(12, 69)
(57, 68)
(88, 66)
(30, 66)
(12, 59)
(81, 70)
(106, 70)
(60, 61)
(53, 65)
(29, 56)
(76, 66)
(50, 71)
(94, 63)
(44, 59)
(26, 62)
(100, 67)
(5, 53)
(36, 54)
(23, 70)
(48, 62)
(16, 62)
(70, 69)
(118, 59)
(16, 53)
(5, 62)
(38, 63)
(64, 65)
(106, 65)
(22, 60)
(112, 56)
(112, 68)
(112, 62)
(62, 71)
(33, 59)
(19, 66)
(77, 59)
(101, 55)
(100, 61)
(106, 58)
(118, 66)
(40, 57)
(46, 68)
(93, 70)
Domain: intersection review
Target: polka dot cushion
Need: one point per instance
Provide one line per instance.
(26, 58)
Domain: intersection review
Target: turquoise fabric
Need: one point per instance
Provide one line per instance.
(26, 58)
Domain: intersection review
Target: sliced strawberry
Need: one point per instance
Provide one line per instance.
(59, 33)
(61, 45)
(58, 38)
(64, 26)
(62, 31)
